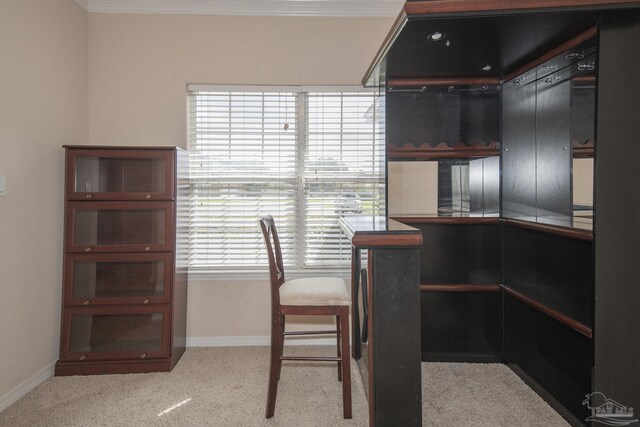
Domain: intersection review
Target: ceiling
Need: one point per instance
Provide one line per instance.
(334, 8)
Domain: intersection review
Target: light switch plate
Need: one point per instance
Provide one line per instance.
(3, 186)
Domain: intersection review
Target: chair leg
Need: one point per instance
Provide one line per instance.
(277, 339)
(346, 363)
(338, 334)
(281, 345)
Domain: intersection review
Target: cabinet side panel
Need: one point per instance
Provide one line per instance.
(181, 254)
(617, 372)
(395, 337)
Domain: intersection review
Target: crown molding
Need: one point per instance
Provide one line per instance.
(332, 8)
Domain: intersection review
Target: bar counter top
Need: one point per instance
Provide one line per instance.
(368, 231)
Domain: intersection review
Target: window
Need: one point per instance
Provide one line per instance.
(306, 157)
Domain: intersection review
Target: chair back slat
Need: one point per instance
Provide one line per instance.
(274, 254)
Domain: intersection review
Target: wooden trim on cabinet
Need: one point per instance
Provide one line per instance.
(465, 287)
(572, 233)
(391, 36)
(453, 81)
(386, 240)
(413, 8)
(124, 147)
(446, 220)
(554, 314)
(103, 367)
(571, 43)
(426, 151)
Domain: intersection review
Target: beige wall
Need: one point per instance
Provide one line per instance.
(413, 188)
(139, 66)
(583, 182)
(43, 104)
(68, 77)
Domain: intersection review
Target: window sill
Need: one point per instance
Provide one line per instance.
(202, 275)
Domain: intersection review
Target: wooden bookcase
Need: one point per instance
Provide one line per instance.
(125, 275)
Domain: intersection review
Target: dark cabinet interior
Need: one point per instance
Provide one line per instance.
(121, 174)
(134, 277)
(460, 253)
(514, 253)
(557, 359)
(461, 326)
(443, 114)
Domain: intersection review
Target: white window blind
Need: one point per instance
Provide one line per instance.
(342, 171)
(306, 158)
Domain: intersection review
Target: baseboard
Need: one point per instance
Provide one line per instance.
(244, 341)
(14, 395)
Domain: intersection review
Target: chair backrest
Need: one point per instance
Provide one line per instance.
(274, 253)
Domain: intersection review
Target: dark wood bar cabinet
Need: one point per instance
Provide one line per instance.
(125, 274)
(386, 317)
(511, 132)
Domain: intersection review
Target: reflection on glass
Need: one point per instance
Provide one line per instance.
(583, 106)
(449, 187)
(583, 193)
(119, 226)
(116, 332)
(551, 142)
(117, 279)
(116, 175)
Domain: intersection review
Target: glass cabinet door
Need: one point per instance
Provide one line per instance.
(119, 174)
(119, 227)
(118, 279)
(112, 333)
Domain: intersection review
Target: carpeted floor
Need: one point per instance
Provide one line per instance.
(227, 387)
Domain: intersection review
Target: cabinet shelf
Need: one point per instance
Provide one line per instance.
(427, 151)
(573, 233)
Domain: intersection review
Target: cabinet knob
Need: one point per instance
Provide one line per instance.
(148, 196)
(87, 249)
(146, 301)
(148, 248)
(83, 357)
(87, 302)
(143, 356)
(89, 196)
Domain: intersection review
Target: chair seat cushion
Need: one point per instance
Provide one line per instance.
(314, 291)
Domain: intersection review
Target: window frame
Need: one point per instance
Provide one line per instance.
(208, 274)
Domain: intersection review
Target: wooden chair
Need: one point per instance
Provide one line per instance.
(308, 296)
